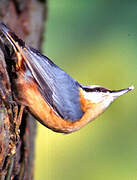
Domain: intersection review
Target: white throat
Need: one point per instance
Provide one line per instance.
(99, 97)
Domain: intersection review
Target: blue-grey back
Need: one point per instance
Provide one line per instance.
(59, 89)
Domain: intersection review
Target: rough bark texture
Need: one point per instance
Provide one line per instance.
(25, 18)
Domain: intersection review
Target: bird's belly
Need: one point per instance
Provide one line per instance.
(30, 96)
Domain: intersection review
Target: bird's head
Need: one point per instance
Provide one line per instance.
(100, 98)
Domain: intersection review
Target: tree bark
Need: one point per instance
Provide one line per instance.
(26, 19)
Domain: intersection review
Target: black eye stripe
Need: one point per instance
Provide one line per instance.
(96, 89)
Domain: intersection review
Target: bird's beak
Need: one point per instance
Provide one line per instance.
(118, 93)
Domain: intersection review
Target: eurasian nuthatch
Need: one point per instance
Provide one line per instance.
(57, 100)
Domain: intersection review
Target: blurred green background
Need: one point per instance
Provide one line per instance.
(96, 43)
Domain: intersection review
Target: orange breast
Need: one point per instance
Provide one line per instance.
(29, 95)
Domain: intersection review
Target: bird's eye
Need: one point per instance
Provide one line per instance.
(101, 89)
(96, 89)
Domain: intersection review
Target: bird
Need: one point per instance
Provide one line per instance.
(51, 95)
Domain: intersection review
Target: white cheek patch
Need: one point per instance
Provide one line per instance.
(99, 97)
(93, 96)
(108, 101)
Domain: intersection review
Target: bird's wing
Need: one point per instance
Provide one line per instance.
(59, 89)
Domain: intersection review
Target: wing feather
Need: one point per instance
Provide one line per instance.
(59, 89)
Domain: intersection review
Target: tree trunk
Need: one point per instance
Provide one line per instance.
(26, 19)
